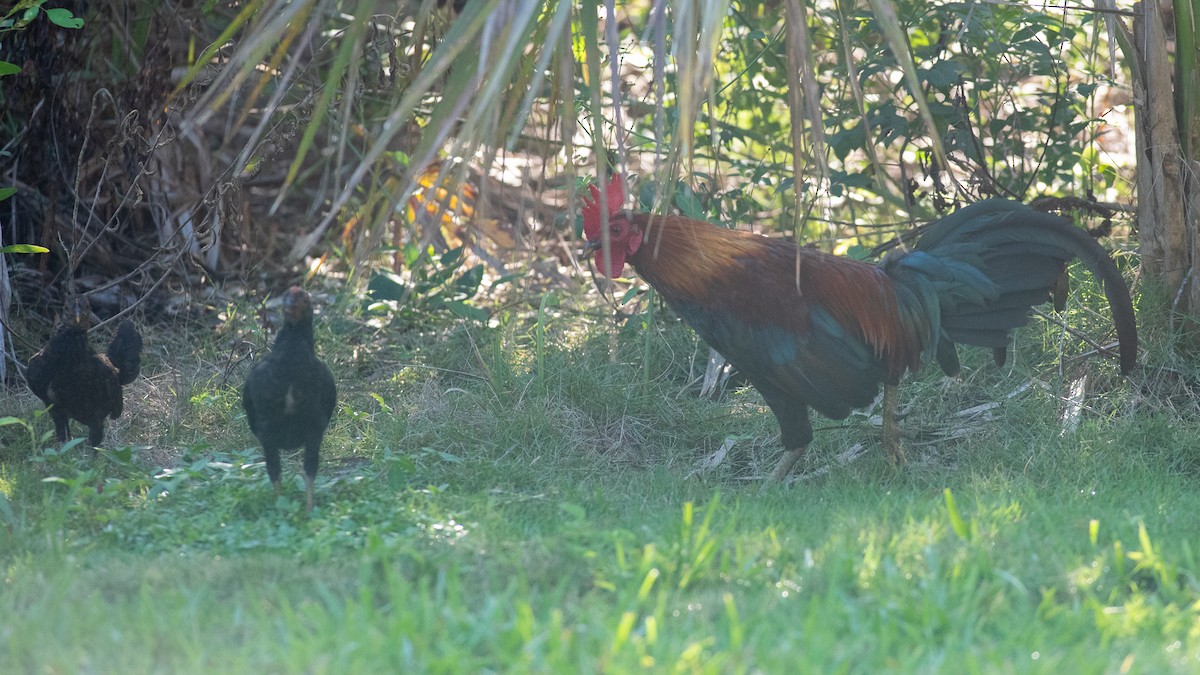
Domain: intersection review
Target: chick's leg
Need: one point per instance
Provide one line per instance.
(62, 424)
(308, 492)
(96, 434)
(891, 428)
(273, 468)
(312, 457)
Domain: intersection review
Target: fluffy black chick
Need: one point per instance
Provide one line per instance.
(125, 352)
(76, 382)
(290, 395)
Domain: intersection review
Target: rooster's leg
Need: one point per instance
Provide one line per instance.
(891, 428)
(784, 467)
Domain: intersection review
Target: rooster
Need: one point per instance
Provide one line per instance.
(78, 383)
(810, 329)
(290, 395)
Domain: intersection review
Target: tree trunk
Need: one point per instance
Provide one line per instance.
(1168, 202)
(1160, 190)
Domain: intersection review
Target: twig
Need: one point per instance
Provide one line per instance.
(1178, 298)
(1096, 346)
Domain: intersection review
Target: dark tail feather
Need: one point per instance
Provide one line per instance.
(125, 352)
(991, 262)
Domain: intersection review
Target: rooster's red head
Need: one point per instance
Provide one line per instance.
(623, 238)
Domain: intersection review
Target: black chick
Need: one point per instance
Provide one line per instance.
(290, 395)
(125, 352)
(77, 383)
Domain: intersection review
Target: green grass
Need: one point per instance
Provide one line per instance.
(526, 502)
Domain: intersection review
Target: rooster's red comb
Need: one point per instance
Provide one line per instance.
(591, 207)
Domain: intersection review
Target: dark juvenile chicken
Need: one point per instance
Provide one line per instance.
(809, 329)
(78, 383)
(290, 395)
(125, 352)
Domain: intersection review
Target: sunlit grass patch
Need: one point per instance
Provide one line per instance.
(574, 511)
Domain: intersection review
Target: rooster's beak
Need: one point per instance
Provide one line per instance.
(591, 247)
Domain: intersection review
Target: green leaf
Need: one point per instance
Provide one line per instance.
(7, 192)
(452, 258)
(411, 253)
(845, 141)
(465, 311)
(383, 406)
(943, 74)
(687, 202)
(629, 295)
(858, 252)
(7, 68)
(399, 157)
(441, 275)
(468, 282)
(647, 195)
(63, 17)
(23, 248)
(853, 180)
(956, 521)
(386, 286)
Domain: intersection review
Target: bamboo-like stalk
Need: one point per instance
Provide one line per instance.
(1160, 186)
(1187, 96)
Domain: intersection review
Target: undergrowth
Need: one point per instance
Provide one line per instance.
(539, 496)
